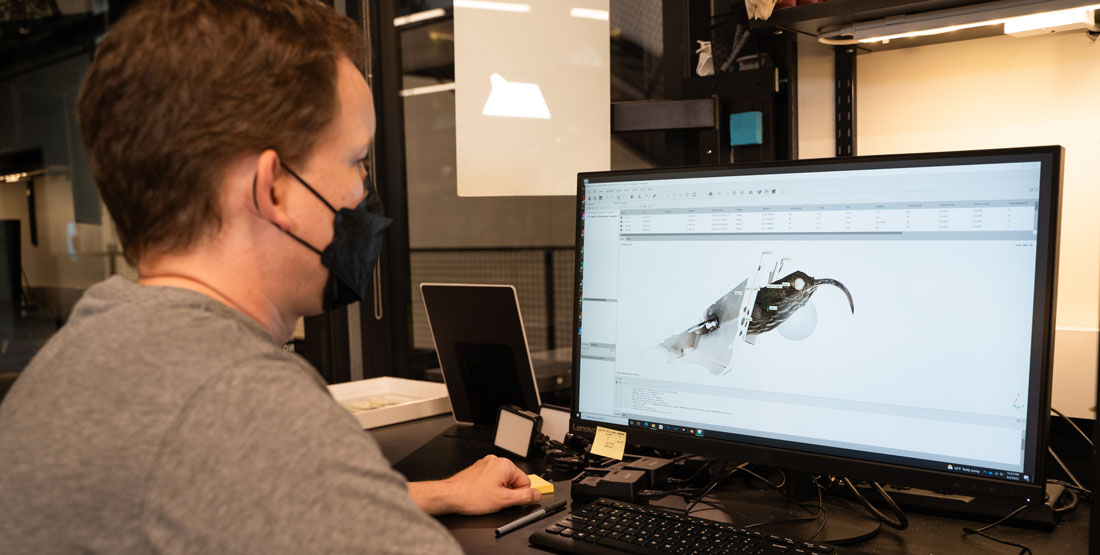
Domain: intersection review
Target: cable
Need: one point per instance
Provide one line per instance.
(902, 521)
(26, 290)
(981, 531)
(714, 484)
(1074, 499)
(821, 513)
(1085, 491)
(687, 480)
(1071, 423)
(766, 481)
(711, 504)
(1058, 460)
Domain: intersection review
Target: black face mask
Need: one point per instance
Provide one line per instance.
(355, 247)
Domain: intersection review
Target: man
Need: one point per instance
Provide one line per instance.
(227, 140)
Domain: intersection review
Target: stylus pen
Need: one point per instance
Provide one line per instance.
(524, 521)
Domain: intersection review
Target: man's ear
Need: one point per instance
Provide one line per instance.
(267, 190)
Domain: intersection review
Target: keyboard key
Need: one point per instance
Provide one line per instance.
(626, 547)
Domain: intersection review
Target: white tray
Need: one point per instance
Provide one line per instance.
(378, 402)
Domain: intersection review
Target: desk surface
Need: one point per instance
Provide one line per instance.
(419, 451)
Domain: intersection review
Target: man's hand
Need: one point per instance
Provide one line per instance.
(487, 486)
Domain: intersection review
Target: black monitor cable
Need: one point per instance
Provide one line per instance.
(26, 300)
(1075, 427)
(1074, 499)
(743, 467)
(902, 521)
(694, 475)
(1024, 550)
(722, 477)
(1076, 486)
(1085, 492)
(1065, 469)
(821, 513)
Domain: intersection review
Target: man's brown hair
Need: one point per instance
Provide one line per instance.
(179, 88)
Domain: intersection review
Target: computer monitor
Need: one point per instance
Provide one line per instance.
(882, 318)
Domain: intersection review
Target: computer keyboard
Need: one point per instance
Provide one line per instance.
(606, 526)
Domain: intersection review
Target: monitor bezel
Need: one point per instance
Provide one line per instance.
(1049, 219)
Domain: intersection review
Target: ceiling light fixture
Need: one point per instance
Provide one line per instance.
(493, 6)
(1016, 14)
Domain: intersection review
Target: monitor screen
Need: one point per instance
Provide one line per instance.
(882, 318)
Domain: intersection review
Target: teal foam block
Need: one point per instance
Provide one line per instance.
(746, 128)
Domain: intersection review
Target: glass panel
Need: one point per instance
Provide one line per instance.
(532, 95)
(56, 238)
(524, 241)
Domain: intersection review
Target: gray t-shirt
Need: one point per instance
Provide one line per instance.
(159, 420)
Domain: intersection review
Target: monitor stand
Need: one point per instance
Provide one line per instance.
(475, 432)
(843, 525)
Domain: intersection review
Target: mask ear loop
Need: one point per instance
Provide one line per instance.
(303, 182)
(256, 203)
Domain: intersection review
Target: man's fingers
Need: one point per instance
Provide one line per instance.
(520, 480)
(525, 496)
(513, 476)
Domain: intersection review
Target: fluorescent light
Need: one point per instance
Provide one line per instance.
(586, 13)
(1051, 22)
(419, 16)
(427, 89)
(935, 31)
(495, 6)
(13, 177)
(955, 19)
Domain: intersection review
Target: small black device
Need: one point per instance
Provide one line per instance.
(656, 468)
(615, 482)
(516, 430)
(482, 348)
(610, 527)
(622, 480)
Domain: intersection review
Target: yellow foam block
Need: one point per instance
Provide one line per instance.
(546, 488)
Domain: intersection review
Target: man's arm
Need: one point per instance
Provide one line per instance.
(263, 461)
(486, 486)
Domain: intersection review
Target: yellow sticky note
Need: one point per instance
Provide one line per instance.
(609, 443)
(546, 488)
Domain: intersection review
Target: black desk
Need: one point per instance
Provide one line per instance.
(418, 451)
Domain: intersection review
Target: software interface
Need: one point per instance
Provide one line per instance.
(885, 311)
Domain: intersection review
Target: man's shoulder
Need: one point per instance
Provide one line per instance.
(137, 362)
